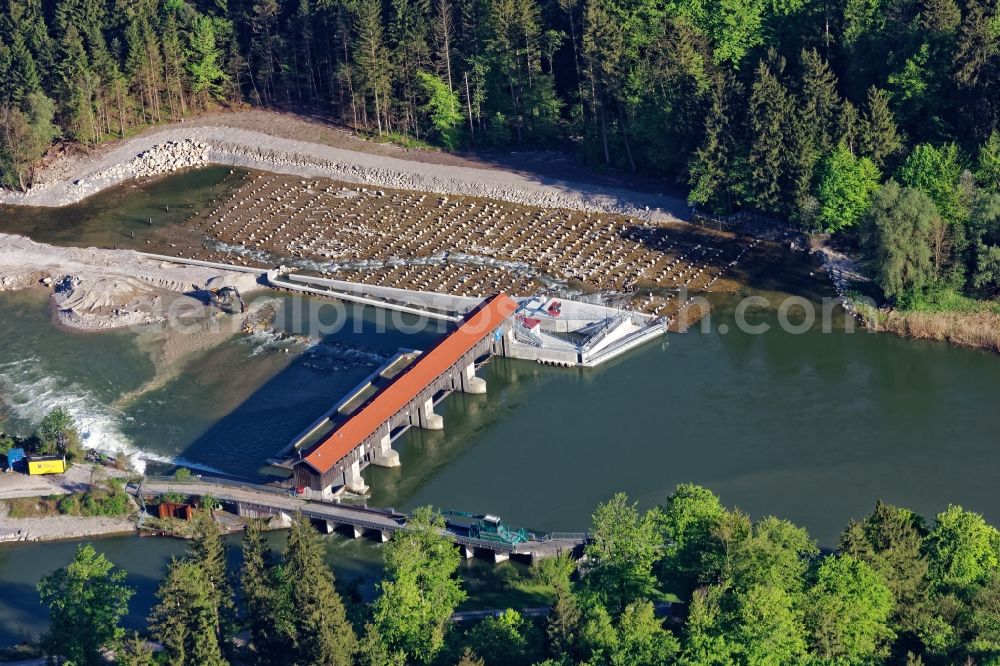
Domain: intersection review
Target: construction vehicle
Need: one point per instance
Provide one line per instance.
(228, 299)
(488, 527)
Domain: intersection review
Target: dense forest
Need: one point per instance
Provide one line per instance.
(897, 590)
(799, 110)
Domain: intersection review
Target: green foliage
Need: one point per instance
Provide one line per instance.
(896, 236)
(6, 444)
(692, 516)
(625, 545)
(983, 233)
(111, 500)
(186, 620)
(894, 591)
(988, 164)
(890, 541)
(507, 638)
(771, 111)
(29, 130)
(210, 503)
(962, 549)
(444, 107)
(880, 140)
(183, 474)
(846, 186)
(203, 59)
(57, 434)
(86, 600)
(136, 651)
(642, 640)
(936, 172)
(209, 553)
(704, 640)
(419, 592)
(847, 612)
(564, 623)
(770, 553)
(262, 594)
(766, 627)
(322, 632)
(554, 572)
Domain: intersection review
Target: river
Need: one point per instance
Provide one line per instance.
(812, 427)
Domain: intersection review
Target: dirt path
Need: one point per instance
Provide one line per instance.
(294, 146)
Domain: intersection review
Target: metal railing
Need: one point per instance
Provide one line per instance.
(354, 522)
(566, 536)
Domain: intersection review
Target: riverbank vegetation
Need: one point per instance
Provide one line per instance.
(57, 434)
(106, 498)
(836, 117)
(898, 589)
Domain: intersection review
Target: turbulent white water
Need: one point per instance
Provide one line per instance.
(30, 393)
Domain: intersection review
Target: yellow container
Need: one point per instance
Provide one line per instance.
(46, 465)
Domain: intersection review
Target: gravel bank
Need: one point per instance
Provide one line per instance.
(179, 146)
(55, 528)
(97, 289)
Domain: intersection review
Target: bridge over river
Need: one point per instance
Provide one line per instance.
(256, 501)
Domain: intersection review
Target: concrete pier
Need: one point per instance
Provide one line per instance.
(427, 419)
(383, 454)
(469, 383)
(353, 481)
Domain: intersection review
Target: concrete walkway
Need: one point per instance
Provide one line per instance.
(385, 522)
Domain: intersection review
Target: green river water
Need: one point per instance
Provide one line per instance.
(812, 427)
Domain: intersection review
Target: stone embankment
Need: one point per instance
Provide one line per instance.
(165, 150)
(162, 158)
(432, 178)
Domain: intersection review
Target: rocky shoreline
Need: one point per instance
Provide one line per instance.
(56, 528)
(166, 150)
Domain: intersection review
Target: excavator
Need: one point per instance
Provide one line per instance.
(228, 299)
(488, 527)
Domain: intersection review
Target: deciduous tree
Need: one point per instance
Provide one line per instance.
(420, 591)
(86, 600)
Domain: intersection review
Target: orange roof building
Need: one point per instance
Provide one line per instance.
(373, 416)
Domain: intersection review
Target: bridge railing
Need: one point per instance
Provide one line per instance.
(566, 536)
(355, 522)
(482, 544)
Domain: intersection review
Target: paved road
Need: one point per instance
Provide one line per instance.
(17, 484)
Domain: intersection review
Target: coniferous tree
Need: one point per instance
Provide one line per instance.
(770, 113)
(322, 632)
(880, 139)
(264, 598)
(821, 103)
(186, 619)
(209, 552)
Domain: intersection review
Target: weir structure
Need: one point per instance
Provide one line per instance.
(407, 400)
